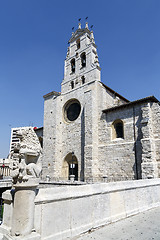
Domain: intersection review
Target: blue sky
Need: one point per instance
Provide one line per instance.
(33, 45)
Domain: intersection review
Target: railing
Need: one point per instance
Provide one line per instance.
(4, 171)
(4, 168)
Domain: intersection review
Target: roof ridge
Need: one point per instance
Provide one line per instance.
(150, 98)
(114, 92)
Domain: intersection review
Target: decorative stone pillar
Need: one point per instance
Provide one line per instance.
(7, 213)
(25, 171)
(23, 209)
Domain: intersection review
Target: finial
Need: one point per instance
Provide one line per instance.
(79, 25)
(86, 25)
(92, 37)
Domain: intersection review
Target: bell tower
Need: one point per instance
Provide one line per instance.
(71, 133)
(81, 63)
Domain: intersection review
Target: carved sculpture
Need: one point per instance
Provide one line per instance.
(26, 156)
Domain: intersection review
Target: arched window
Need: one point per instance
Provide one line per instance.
(83, 59)
(83, 79)
(78, 43)
(73, 65)
(117, 129)
(72, 84)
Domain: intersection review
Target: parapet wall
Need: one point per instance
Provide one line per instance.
(65, 212)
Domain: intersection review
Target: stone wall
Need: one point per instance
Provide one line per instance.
(137, 154)
(90, 136)
(86, 207)
(156, 132)
(117, 155)
(151, 140)
(90, 206)
(80, 136)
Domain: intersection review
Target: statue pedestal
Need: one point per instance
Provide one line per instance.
(23, 208)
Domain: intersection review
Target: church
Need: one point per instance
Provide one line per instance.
(93, 133)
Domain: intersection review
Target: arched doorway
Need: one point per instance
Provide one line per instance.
(70, 167)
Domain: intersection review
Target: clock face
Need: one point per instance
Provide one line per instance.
(72, 110)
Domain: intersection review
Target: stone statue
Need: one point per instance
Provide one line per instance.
(26, 156)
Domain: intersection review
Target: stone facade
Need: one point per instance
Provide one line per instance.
(93, 132)
(135, 154)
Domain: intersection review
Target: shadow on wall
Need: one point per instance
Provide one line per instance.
(82, 144)
(137, 145)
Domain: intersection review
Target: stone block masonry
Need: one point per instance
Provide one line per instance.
(62, 213)
(110, 137)
(90, 206)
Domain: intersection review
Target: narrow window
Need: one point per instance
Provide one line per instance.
(73, 65)
(72, 84)
(118, 131)
(78, 44)
(83, 79)
(83, 59)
